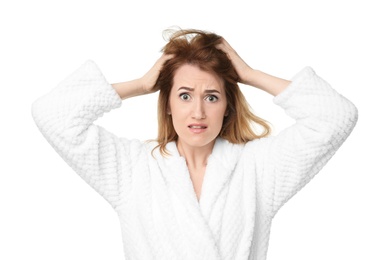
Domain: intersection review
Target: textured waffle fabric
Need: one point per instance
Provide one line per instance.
(244, 185)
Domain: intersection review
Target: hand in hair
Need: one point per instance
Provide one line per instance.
(242, 69)
(148, 81)
(256, 78)
(143, 85)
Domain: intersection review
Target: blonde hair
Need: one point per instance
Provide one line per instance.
(197, 48)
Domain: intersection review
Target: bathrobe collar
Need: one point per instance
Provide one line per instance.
(220, 166)
(219, 169)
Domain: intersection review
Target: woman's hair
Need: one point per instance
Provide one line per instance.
(198, 48)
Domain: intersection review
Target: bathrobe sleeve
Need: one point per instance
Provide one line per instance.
(65, 117)
(323, 121)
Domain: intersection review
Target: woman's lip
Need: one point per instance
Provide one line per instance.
(197, 128)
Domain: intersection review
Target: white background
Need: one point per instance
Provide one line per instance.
(48, 212)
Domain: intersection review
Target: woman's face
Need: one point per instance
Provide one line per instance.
(197, 104)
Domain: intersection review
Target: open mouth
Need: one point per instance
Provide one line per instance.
(197, 126)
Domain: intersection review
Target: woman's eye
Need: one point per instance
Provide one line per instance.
(211, 98)
(185, 96)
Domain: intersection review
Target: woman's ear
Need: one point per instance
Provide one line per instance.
(169, 110)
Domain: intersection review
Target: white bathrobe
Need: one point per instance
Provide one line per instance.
(244, 185)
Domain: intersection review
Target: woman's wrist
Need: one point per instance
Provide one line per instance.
(129, 88)
(268, 83)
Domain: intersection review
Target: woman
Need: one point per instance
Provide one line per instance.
(209, 186)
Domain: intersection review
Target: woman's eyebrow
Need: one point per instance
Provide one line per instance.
(206, 91)
(186, 88)
(212, 91)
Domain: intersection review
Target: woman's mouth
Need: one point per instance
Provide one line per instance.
(197, 128)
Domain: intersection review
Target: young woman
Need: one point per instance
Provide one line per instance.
(209, 186)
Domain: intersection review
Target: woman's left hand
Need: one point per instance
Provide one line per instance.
(243, 70)
(252, 77)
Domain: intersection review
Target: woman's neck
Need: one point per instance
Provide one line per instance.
(196, 157)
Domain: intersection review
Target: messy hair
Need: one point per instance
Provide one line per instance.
(198, 48)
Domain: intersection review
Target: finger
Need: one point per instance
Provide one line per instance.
(166, 57)
(223, 44)
(160, 62)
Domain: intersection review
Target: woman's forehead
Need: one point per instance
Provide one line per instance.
(192, 76)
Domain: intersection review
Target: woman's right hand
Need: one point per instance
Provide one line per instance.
(143, 85)
(148, 81)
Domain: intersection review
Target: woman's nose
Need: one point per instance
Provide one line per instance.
(198, 111)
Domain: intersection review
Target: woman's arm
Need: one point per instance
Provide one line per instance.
(66, 115)
(323, 121)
